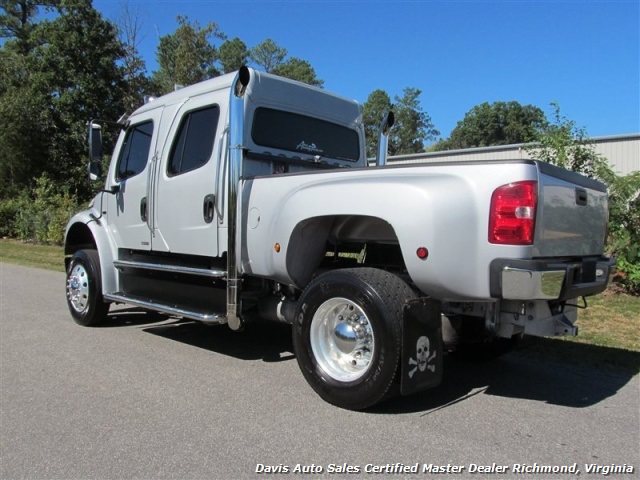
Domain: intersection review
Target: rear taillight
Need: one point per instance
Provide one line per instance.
(513, 213)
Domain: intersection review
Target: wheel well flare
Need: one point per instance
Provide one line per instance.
(78, 237)
(311, 238)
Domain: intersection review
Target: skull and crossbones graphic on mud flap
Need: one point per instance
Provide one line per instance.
(423, 348)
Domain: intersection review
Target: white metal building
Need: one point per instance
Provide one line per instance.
(622, 151)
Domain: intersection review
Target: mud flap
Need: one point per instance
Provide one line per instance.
(421, 346)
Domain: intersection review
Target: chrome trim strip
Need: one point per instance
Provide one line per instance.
(170, 268)
(158, 307)
(236, 159)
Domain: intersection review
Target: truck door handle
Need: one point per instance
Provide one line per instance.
(208, 208)
(581, 197)
(143, 209)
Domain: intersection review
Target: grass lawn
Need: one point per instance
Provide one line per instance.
(612, 320)
(608, 335)
(42, 256)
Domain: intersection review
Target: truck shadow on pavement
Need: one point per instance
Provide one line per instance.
(260, 340)
(524, 374)
(132, 317)
(548, 374)
(270, 342)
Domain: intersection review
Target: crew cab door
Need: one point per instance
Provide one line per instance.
(185, 217)
(128, 209)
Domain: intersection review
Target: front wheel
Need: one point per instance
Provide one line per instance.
(347, 335)
(84, 289)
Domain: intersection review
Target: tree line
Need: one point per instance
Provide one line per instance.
(62, 64)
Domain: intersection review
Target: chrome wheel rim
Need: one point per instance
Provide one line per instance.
(78, 288)
(342, 339)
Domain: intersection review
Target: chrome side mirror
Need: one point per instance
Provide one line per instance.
(95, 152)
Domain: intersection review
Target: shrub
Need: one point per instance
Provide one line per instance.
(624, 230)
(43, 214)
(9, 208)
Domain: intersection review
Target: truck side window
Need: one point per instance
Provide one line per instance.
(194, 144)
(135, 150)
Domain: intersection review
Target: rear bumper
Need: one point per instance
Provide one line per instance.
(549, 279)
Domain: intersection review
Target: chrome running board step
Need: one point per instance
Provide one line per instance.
(205, 317)
(170, 268)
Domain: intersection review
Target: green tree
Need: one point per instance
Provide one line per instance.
(300, 70)
(268, 55)
(77, 68)
(233, 55)
(17, 22)
(498, 123)
(187, 56)
(136, 83)
(24, 118)
(562, 143)
(378, 104)
(63, 75)
(413, 126)
(25, 131)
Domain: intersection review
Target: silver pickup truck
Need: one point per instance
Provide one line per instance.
(249, 197)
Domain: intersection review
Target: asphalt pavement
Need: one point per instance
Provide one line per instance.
(153, 397)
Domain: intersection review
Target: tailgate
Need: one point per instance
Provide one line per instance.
(572, 214)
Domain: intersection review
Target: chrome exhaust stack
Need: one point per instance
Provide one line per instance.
(383, 139)
(236, 159)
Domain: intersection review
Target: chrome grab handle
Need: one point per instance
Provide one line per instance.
(221, 166)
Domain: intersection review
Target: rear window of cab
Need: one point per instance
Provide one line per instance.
(304, 135)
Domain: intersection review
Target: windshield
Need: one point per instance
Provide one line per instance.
(304, 135)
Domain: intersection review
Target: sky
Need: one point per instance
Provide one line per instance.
(584, 55)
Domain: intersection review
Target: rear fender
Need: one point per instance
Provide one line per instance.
(280, 211)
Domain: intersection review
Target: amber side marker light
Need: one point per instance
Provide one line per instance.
(276, 247)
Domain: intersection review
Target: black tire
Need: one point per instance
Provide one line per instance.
(84, 289)
(347, 335)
